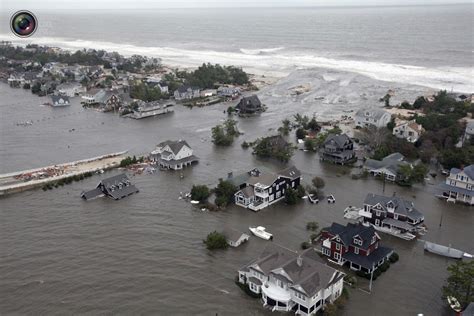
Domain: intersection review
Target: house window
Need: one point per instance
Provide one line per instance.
(356, 250)
(377, 213)
(338, 246)
(337, 256)
(327, 251)
(377, 222)
(395, 216)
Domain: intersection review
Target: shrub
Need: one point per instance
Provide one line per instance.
(312, 226)
(225, 191)
(300, 191)
(200, 193)
(312, 237)
(305, 245)
(291, 196)
(394, 257)
(384, 267)
(215, 240)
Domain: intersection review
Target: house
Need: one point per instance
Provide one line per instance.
(459, 185)
(469, 133)
(187, 92)
(408, 130)
(150, 109)
(338, 149)
(240, 181)
(228, 92)
(354, 244)
(108, 100)
(264, 189)
(388, 166)
(235, 238)
(372, 117)
(173, 155)
(291, 281)
(116, 187)
(208, 93)
(249, 105)
(70, 89)
(58, 100)
(391, 214)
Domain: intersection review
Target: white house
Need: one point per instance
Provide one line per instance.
(469, 133)
(372, 117)
(235, 238)
(459, 185)
(409, 130)
(71, 89)
(288, 281)
(173, 155)
(187, 93)
(208, 93)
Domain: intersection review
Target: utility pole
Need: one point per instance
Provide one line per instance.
(371, 277)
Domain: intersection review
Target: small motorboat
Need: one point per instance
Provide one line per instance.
(454, 304)
(313, 198)
(261, 232)
(331, 199)
(445, 251)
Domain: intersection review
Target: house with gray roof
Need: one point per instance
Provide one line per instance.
(468, 133)
(235, 238)
(338, 149)
(393, 215)
(249, 105)
(116, 187)
(59, 100)
(459, 186)
(372, 117)
(355, 245)
(186, 92)
(290, 281)
(388, 167)
(262, 189)
(174, 155)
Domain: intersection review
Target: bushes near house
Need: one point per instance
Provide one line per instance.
(313, 226)
(273, 147)
(394, 257)
(215, 241)
(305, 245)
(291, 196)
(200, 193)
(224, 134)
(224, 191)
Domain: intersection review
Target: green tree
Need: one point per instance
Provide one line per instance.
(318, 182)
(200, 193)
(460, 282)
(311, 144)
(285, 128)
(220, 138)
(313, 226)
(301, 133)
(225, 191)
(215, 241)
(291, 196)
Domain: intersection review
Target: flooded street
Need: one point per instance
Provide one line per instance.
(144, 254)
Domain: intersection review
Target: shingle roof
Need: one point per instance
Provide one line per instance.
(251, 103)
(118, 186)
(338, 140)
(57, 98)
(374, 113)
(391, 162)
(175, 146)
(369, 261)
(308, 275)
(347, 233)
(233, 234)
(469, 171)
(291, 172)
(402, 207)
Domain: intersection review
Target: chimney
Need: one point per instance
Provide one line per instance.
(299, 261)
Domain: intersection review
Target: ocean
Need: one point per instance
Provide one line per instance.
(430, 46)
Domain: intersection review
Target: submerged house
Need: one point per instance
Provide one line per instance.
(387, 167)
(354, 244)
(290, 281)
(391, 214)
(264, 189)
(117, 187)
(249, 105)
(58, 100)
(228, 92)
(372, 117)
(150, 109)
(235, 238)
(459, 185)
(338, 149)
(173, 155)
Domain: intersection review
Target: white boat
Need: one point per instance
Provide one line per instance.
(194, 202)
(445, 251)
(331, 199)
(260, 232)
(454, 304)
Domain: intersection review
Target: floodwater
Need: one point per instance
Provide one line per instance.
(144, 254)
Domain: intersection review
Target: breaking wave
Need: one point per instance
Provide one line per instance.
(281, 63)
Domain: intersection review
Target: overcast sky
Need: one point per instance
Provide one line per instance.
(143, 4)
